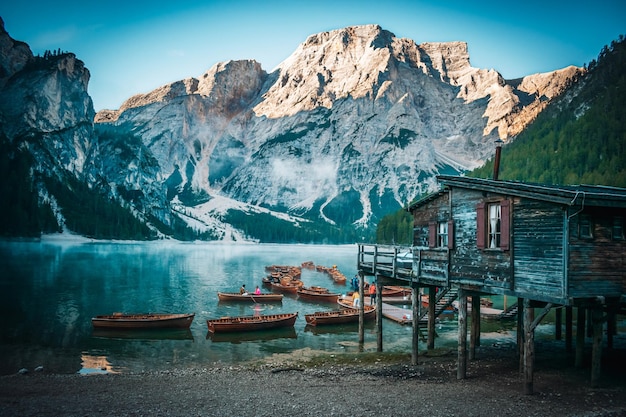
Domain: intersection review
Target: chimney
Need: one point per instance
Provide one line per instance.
(496, 162)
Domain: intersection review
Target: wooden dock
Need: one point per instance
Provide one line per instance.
(391, 312)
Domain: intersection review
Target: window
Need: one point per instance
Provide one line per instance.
(493, 225)
(584, 226)
(441, 234)
(618, 228)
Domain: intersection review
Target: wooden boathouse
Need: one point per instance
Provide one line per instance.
(547, 246)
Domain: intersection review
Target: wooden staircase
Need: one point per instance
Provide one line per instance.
(510, 312)
(445, 298)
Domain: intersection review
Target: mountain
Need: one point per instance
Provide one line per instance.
(579, 138)
(353, 125)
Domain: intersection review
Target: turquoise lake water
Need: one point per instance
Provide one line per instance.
(49, 291)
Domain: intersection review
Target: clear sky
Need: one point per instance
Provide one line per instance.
(135, 46)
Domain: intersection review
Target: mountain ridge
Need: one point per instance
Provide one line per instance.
(354, 124)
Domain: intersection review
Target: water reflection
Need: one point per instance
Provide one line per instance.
(143, 334)
(96, 364)
(258, 336)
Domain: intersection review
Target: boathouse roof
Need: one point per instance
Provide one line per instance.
(569, 195)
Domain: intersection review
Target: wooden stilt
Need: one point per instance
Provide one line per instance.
(432, 302)
(520, 333)
(580, 337)
(568, 329)
(611, 327)
(415, 302)
(379, 316)
(596, 353)
(475, 328)
(558, 322)
(361, 316)
(529, 348)
(462, 348)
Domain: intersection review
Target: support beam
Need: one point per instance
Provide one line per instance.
(475, 328)
(596, 353)
(461, 370)
(361, 316)
(568, 329)
(432, 303)
(529, 348)
(580, 337)
(520, 333)
(558, 323)
(415, 302)
(379, 315)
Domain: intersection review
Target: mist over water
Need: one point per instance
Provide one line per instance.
(50, 290)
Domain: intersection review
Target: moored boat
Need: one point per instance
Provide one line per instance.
(253, 298)
(395, 291)
(143, 321)
(346, 315)
(317, 294)
(251, 323)
(290, 289)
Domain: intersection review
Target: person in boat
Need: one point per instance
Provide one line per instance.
(257, 291)
(243, 290)
(356, 299)
(372, 291)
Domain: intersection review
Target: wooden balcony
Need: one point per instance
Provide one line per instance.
(410, 264)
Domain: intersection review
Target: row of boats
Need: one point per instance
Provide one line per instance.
(230, 324)
(284, 279)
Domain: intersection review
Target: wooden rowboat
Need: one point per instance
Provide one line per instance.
(251, 323)
(143, 321)
(347, 315)
(289, 289)
(316, 294)
(252, 298)
(395, 291)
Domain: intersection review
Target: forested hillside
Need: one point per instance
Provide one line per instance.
(578, 139)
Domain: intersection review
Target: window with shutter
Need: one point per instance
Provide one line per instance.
(493, 223)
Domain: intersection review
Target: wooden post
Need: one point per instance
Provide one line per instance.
(580, 337)
(529, 347)
(596, 353)
(379, 316)
(461, 370)
(558, 322)
(520, 333)
(611, 327)
(475, 328)
(568, 329)
(361, 317)
(432, 303)
(416, 323)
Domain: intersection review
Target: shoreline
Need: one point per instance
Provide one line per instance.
(365, 384)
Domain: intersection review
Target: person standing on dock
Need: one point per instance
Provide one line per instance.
(372, 291)
(355, 299)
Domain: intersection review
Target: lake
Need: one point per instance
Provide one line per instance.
(50, 289)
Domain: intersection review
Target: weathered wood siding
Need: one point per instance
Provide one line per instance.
(487, 270)
(433, 263)
(597, 265)
(538, 237)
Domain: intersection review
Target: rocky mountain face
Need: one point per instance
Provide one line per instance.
(44, 102)
(354, 124)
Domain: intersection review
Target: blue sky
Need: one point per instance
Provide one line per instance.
(136, 46)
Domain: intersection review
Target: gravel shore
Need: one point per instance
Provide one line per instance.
(369, 384)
